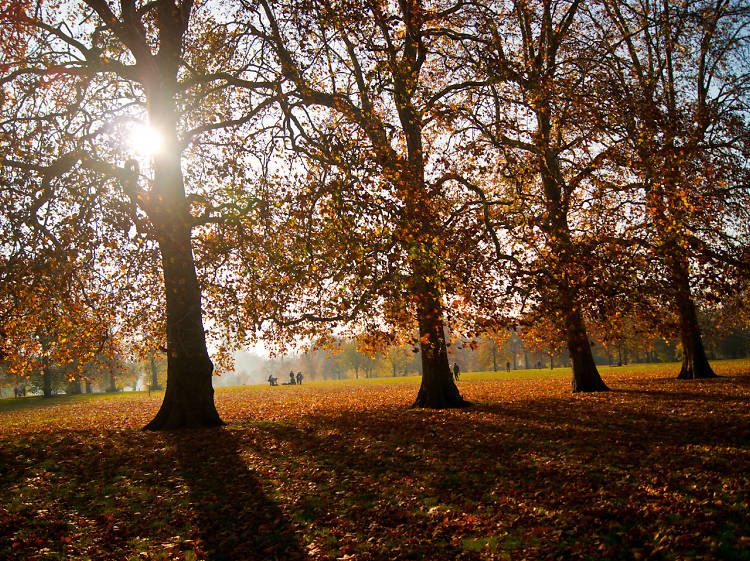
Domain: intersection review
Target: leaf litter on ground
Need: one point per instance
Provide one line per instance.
(658, 468)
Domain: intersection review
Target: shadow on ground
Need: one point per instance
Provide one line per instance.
(657, 470)
(132, 495)
(237, 519)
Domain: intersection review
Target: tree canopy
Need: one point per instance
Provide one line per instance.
(296, 170)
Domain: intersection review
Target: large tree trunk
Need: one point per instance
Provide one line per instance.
(189, 396)
(694, 361)
(438, 390)
(586, 376)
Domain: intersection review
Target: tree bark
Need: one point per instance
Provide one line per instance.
(694, 361)
(189, 396)
(438, 390)
(586, 376)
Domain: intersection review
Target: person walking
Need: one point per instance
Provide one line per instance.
(456, 371)
(299, 378)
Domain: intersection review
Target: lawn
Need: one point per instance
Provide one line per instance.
(658, 468)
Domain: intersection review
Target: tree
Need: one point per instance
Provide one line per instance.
(679, 82)
(534, 113)
(361, 108)
(153, 369)
(489, 354)
(86, 76)
(51, 328)
(352, 357)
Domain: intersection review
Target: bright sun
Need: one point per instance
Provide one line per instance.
(144, 140)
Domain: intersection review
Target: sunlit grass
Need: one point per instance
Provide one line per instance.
(667, 370)
(38, 401)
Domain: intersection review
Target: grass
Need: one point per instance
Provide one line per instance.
(39, 402)
(655, 469)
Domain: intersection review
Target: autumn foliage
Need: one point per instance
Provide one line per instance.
(398, 172)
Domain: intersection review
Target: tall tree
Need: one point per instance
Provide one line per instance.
(90, 72)
(679, 82)
(363, 107)
(534, 112)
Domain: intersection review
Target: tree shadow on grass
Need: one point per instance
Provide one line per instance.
(682, 396)
(237, 518)
(582, 474)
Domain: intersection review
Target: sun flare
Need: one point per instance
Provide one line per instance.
(145, 140)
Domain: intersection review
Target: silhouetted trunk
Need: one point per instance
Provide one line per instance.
(694, 361)
(585, 374)
(438, 390)
(557, 201)
(189, 396)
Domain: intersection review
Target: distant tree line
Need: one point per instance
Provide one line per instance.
(484, 355)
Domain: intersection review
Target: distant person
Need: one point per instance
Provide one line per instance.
(291, 378)
(507, 366)
(456, 371)
(272, 380)
(299, 378)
